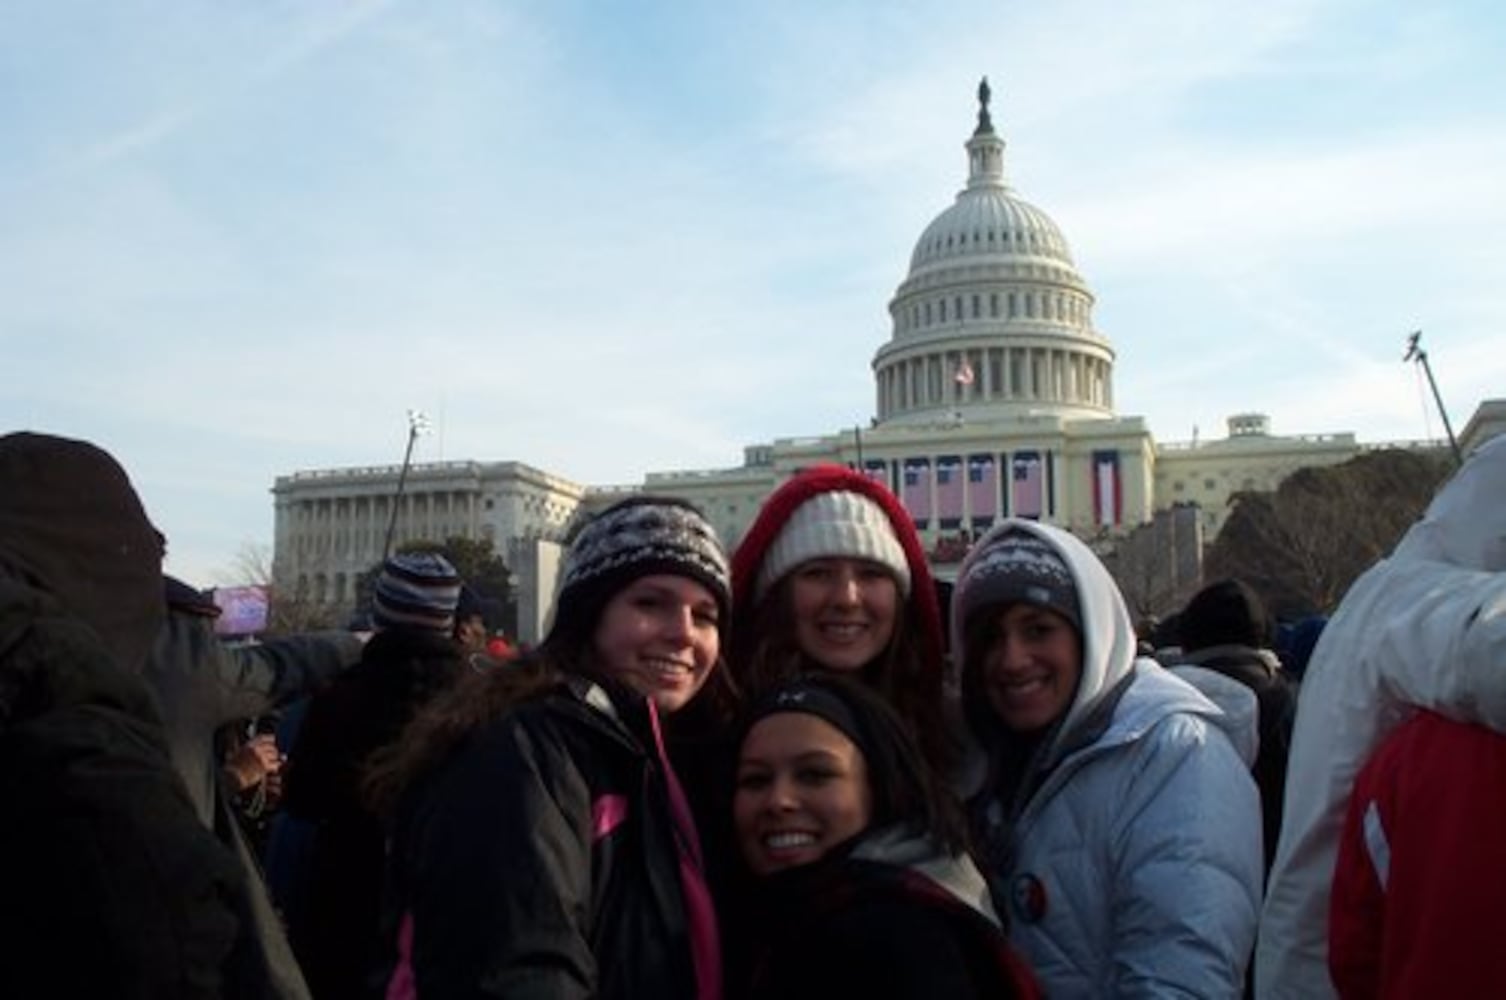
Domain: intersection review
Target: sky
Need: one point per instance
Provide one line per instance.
(243, 239)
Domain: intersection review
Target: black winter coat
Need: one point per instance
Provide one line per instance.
(111, 885)
(336, 934)
(540, 861)
(857, 927)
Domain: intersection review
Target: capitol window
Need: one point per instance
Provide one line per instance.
(977, 306)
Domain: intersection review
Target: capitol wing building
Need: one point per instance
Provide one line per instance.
(994, 397)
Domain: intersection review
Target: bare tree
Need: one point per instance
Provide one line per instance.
(289, 610)
(1302, 545)
(1157, 565)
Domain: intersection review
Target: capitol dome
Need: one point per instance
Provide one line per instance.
(994, 319)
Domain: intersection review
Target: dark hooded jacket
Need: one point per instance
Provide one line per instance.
(336, 928)
(112, 885)
(539, 860)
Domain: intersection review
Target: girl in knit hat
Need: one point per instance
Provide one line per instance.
(1119, 824)
(863, 884)
(542, 844)
(831, 576)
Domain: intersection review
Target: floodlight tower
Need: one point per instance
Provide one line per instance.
(1417, 354)
(418, 424)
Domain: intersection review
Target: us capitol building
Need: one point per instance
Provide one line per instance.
(994, 396)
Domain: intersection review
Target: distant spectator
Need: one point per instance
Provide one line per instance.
(112, 887)
(470, 621)
(202, 686)
(1225, 628)
(412, 657)
(1295, 643)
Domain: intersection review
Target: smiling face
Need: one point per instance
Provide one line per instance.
(658, 635)
(802, 789)
(844, 611)
(1031, 666)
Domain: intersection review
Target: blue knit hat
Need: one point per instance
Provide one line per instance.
(416, 590)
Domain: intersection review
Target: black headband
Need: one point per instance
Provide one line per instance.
(814, 699)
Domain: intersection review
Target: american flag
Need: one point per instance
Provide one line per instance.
(917, 490)
(964, 373)
(1029, 484)
(878, 471)
(982, 488)
(949, 490)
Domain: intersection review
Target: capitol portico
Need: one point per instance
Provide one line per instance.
(993, 397)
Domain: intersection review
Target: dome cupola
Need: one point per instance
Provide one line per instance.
(993, 319)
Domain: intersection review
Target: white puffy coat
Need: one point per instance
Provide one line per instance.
(1424, 628)
(1137, 862)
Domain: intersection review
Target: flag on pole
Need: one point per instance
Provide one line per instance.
(964, 373)
(1029, 487)
(878, 470)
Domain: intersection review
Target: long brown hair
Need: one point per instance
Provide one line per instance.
(766, 654)
(483, 697)
(446, 722)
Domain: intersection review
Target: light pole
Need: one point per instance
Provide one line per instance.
(1416, 353)
(417, 424)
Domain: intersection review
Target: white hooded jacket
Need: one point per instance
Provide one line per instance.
(1136, 861)
(1425, 628)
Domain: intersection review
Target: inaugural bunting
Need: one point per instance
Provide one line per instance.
(949, 490)
(1028, 481)
(1108, 492)
(916, 492)
(982, 490)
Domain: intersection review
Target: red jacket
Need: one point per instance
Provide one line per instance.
(1419, 890)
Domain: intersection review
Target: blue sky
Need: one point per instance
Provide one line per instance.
(237, 240)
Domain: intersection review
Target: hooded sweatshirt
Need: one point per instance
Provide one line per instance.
(1129, 857)
(112, 886)
(1424, 628)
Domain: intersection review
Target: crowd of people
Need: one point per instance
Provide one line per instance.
(800, 769)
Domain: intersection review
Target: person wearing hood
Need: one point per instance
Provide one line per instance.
(112, 886)
(542, 843)
(1226, 630)
(862, 882)
(1118, 822)
(1424, 628)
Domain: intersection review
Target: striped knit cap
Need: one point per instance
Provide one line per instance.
(1012, 567)
(637, 537)
(417, 590)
